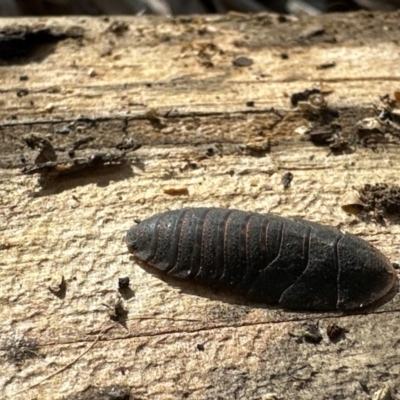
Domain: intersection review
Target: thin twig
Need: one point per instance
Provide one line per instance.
(66, 366)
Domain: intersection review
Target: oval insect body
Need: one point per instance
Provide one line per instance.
(264, 258)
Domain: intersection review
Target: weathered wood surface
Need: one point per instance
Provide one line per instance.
(85, 79)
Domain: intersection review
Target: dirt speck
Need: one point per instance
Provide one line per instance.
(227, 313)
(287, 180)
(309, 333)
(335, 332)
(19, 348)
(242, 62)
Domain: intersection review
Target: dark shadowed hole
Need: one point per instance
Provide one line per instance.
(20, 45)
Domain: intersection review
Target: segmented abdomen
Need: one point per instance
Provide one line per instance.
(265, 258)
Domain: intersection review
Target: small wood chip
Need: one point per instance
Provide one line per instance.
(176, 191)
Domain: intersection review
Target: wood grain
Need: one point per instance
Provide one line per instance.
(169, 85)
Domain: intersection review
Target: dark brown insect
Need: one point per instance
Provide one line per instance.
(264, 258)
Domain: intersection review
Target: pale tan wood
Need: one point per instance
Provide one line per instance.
(75, 227)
